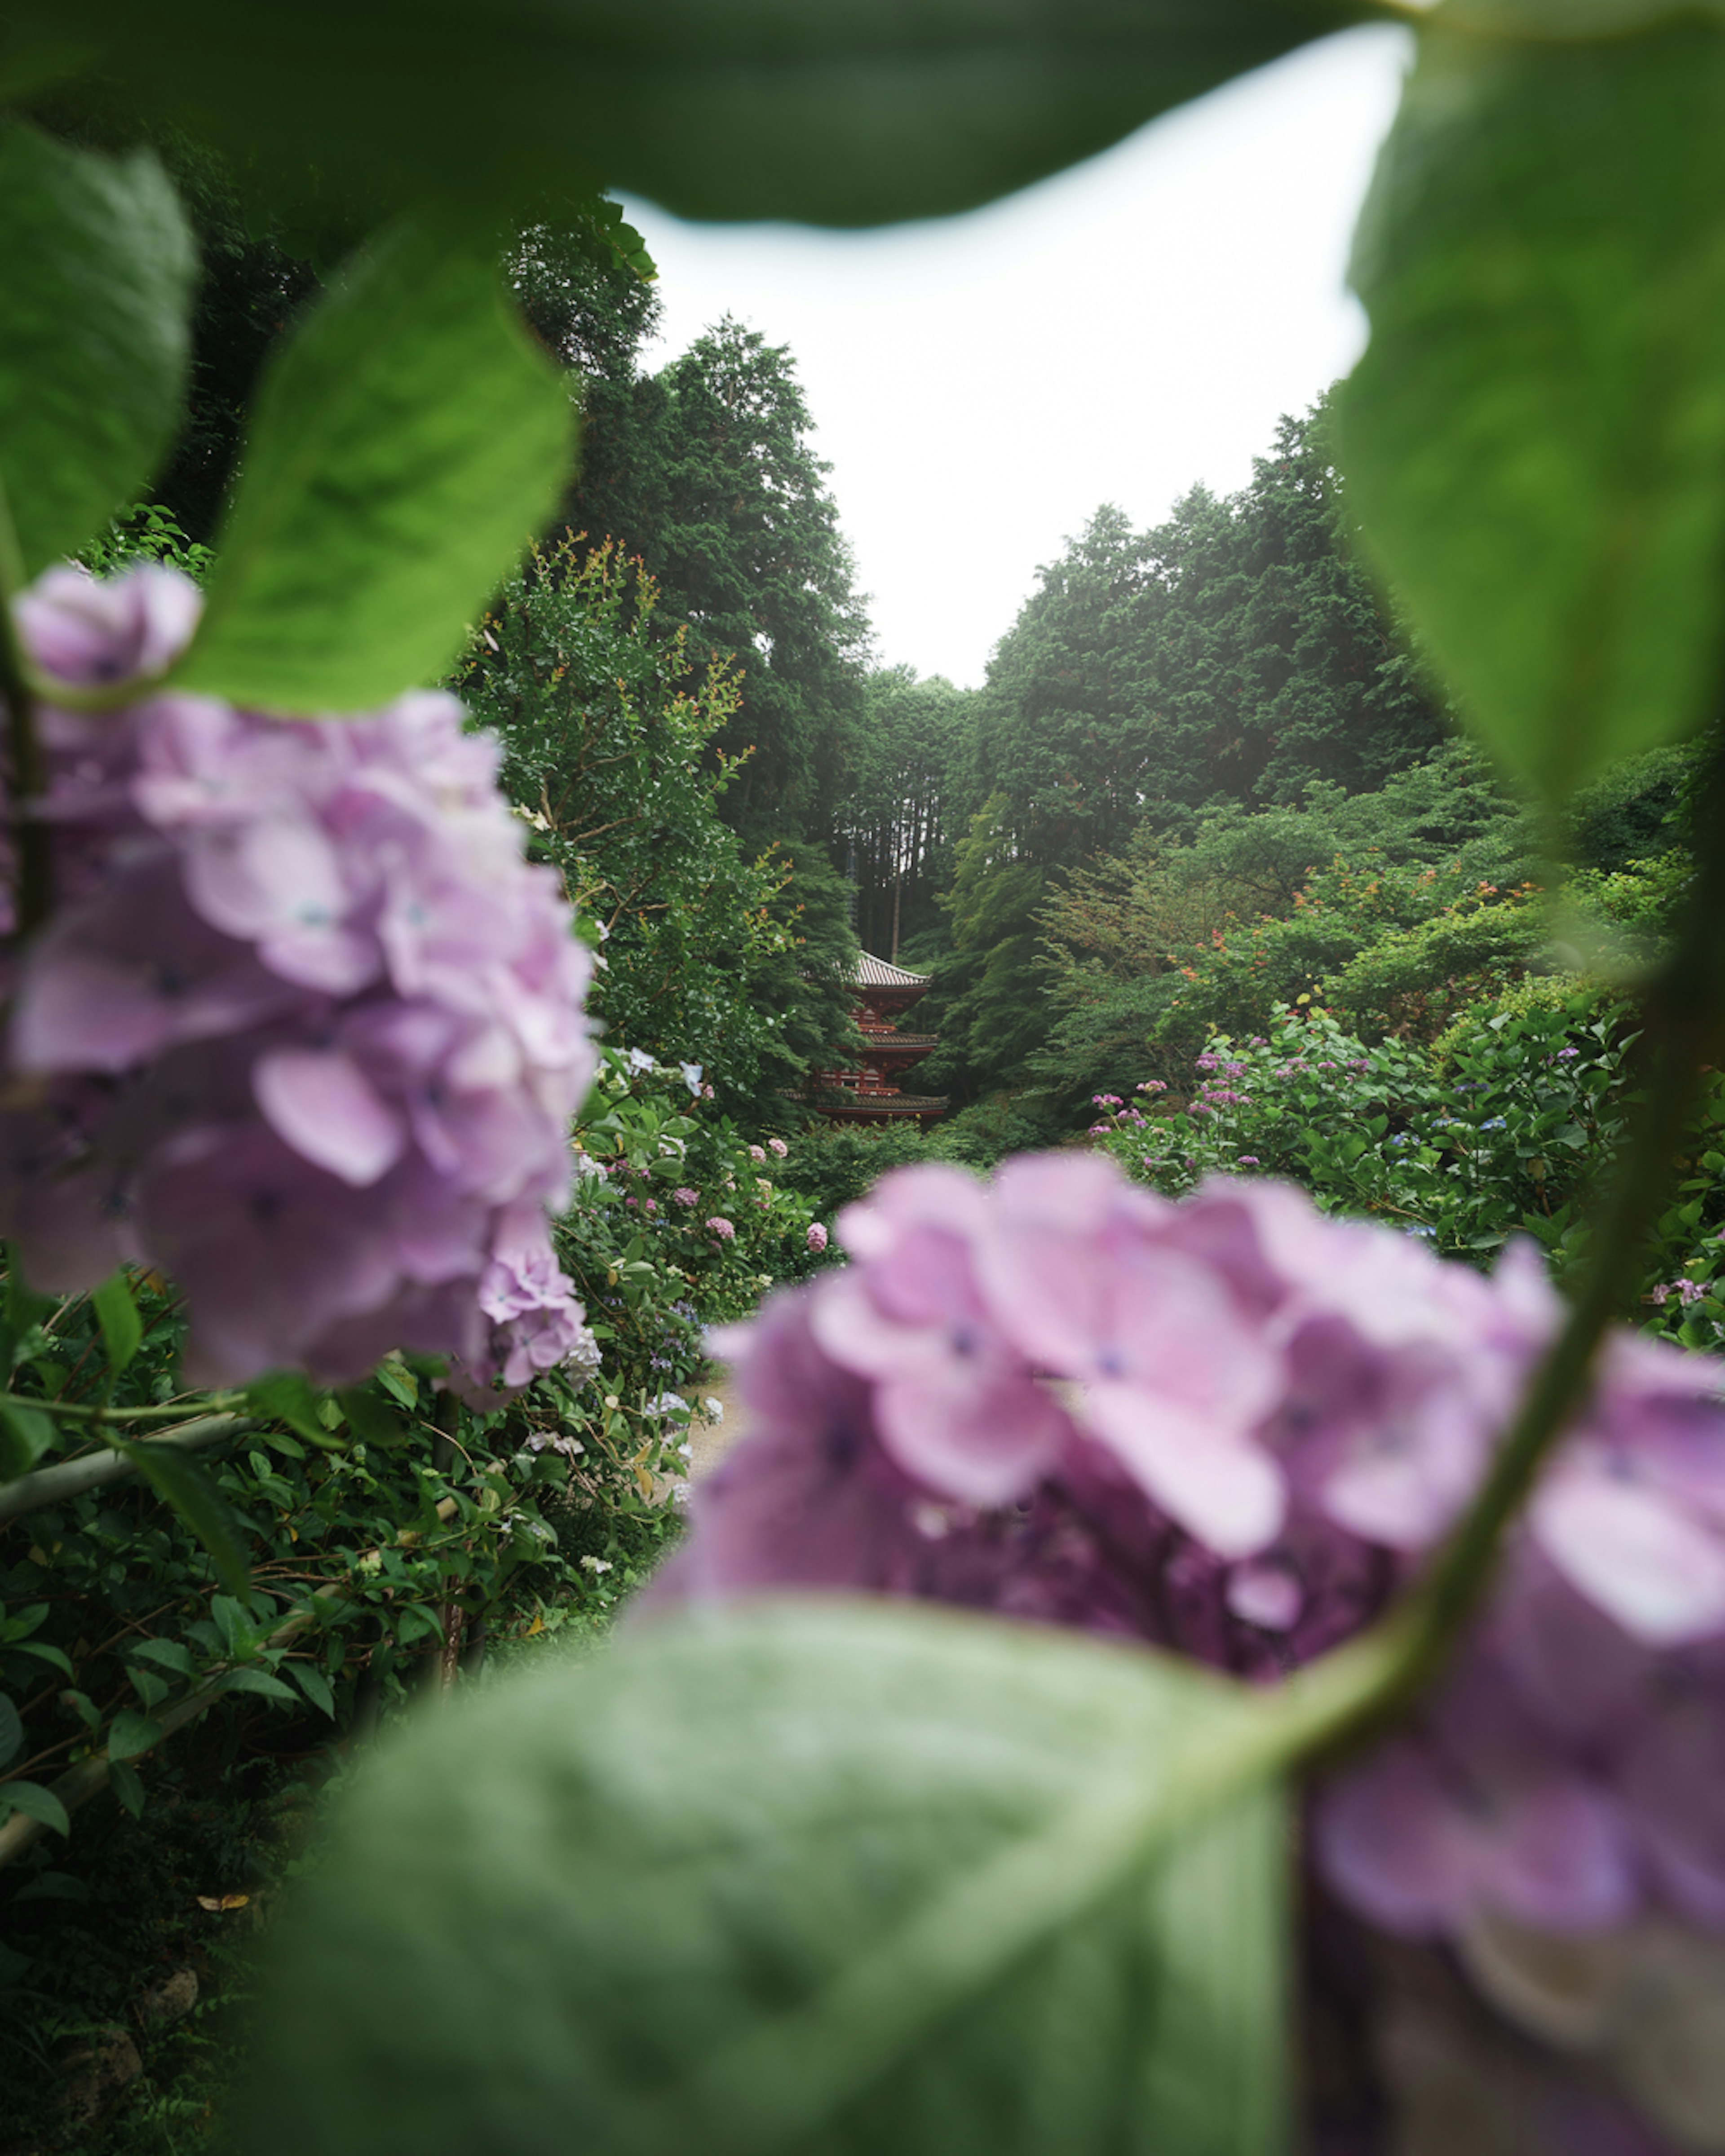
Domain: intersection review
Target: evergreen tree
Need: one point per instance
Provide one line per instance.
(711, 955)
(1265, 658)
(708, 472)
(897, 818)
(985, 1001)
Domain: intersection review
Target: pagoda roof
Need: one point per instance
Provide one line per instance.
(873, 972)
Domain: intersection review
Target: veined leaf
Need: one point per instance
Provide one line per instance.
(96, 266)
(847, 112)
(286, 1396)
(26, 1432)
(405, 449)
(812, 1877)
(130, 1734)
(117, 1315)
(35, 1803)
(1535, 439)
(183, 1483)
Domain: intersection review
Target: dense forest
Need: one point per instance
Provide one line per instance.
(1206, 771)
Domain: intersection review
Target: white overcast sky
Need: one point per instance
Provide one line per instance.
(981, 383)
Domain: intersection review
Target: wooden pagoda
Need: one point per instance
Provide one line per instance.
(871, 1093)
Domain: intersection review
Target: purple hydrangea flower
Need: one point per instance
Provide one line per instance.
(817, 1237)
(303, 1029)
(1232, 1426)
(536, 1322)
(721, 1227)
(682, 1195)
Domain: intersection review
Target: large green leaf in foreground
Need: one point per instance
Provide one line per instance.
(407, 444)
(841, 111)
(835, 1877)
(1535, 439)
(95, 291)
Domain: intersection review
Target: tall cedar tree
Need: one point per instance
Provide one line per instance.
(706, 471)
(897, 825)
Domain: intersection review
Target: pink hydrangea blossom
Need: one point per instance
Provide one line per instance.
(817, 1237)
(536, 1322)
(720, 1226)
(779, 1148)
(1234, 1427)
(684, 1196)
(304, 1029)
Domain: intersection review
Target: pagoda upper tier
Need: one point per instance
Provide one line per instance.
(882, 993)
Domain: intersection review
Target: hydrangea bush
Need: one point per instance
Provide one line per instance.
(1507, 1128)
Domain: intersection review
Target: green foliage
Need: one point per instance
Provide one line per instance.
(708, 956)
(1229, 682)
(1508, 1126)
(408, 443)
(98, 276)
(855, 116)
(1007, 1887)
(897, 819)
(657, 1168)
(146, 533)
(987, 1022)
(1396, 907)
(1534, 437)
(1237, 653)
(711, 475)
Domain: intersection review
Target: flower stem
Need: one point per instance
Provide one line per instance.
(1683, 1033)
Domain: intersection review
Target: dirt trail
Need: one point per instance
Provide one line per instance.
(710, 1441)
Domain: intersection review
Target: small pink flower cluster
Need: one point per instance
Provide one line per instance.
(1686, 1290)
(303, 1029)
(1233, 1426)
(721, 1227)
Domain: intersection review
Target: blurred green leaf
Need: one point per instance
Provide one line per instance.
(11, 1731)
(816, 1876)
(405, 447)
(23, 1311)
(285, 1396)
(316, 1685)
(1534, 441)
(370, 1419)
(117, 1314)
(172, 1654)
(25, 1434)
(183, 1483)
(96, 266)
(849, 112)
(417, 1621)
(35, 1803)
(259, 1681)
(127, 1786)
(52, 1886)
(130, 1733)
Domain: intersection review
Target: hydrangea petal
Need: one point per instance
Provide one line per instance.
(1659, 1573)
(322, 1103)
(1226, 1491)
